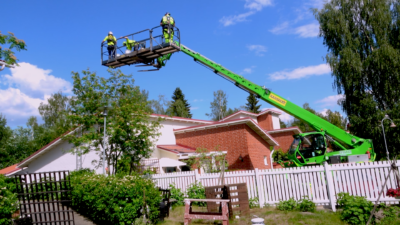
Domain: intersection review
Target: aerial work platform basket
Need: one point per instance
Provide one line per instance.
(148, 46)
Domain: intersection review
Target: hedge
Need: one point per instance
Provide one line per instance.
(113, 199)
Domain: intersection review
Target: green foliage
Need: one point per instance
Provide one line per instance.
(356, 209)
(306, 205)
(17, 144)
(211, 162)
(129, 130)
(279, 155)
(251, 105)
(334, 118)
(160, 106)
(179, 106)
(218, 106)
(283, 125)
(177, 194)
(196, 191)
(13, 43)
(55, 113)
(231, 111)
(288, 205)
(254, 203)
(112, 199)
(364, 54)
(303, 205)
(8, 201)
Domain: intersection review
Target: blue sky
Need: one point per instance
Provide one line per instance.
(270, 42)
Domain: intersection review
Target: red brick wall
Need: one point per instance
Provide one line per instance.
(284, 139)
(233, 139)
(258, 148)
(265, 121)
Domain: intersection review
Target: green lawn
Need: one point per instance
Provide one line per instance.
(270, 214)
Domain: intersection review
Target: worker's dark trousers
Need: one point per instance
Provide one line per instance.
(111, 51)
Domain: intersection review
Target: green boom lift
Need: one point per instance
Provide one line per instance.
(327, 143)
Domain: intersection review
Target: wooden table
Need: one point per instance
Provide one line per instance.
(224, 215)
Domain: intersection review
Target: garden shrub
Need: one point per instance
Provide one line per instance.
(288, 205)
(279, 155)
(253, 203)
(178, 195)
(114, 199)
(196, 191)
(356, 209)
(306, 205)
(8, 200)
(387, 214)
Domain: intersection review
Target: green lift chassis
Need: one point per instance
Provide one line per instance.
(327, 143)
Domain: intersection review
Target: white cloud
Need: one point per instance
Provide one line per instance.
(17, 106)
(301, 72)
(231, 20)
(257, 4)
(306, 31)
(198, 100)
(323, 112)
(304, 25)
(309, 30)
(284, 117)
(316, 3)
(258, 49)
(330, 100)
(24, 90)
(35, 81)
(248, 70)
(281, 28)
(194, 108)
(253, 5)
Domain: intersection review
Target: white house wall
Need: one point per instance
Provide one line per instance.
(168, 137)
(59, 158)
(275, 122)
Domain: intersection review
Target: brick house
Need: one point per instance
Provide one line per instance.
(247, 138)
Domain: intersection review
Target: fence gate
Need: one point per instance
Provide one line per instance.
(45, 197)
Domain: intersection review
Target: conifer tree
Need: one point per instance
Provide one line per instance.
(179, 105)
(251, 104)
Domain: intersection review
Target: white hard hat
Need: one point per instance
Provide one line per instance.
(110, 32)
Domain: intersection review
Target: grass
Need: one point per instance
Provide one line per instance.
(270, 214)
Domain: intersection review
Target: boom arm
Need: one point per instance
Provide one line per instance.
(316, 122)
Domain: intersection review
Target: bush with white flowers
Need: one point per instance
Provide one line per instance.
(8, 201)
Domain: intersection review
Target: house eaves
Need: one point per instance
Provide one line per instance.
(296, 130)
(181, 119)
(250, 122)
(251, 114)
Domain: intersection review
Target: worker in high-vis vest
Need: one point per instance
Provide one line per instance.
(168, 24)
(111, 43)
(130, 44)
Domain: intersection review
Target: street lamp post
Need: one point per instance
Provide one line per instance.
(105, 109)
(383, 130)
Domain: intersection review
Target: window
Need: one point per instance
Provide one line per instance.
(265, 160)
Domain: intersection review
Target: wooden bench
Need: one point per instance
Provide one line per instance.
(223, 215)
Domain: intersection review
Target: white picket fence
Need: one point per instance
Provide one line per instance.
(321, 184)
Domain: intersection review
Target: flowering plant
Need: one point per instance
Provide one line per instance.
(393, 192)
